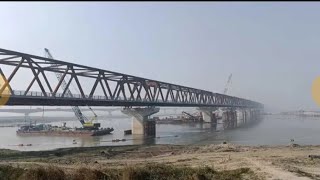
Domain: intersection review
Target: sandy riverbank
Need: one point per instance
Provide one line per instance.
(240, 162)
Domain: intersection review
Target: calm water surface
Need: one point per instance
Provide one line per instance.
(272, 130)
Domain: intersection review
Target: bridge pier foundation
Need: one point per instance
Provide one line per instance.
(229, 118)
(245, 115)
(208, 115)
(141, 123)
(248, 116)
(234, 119)
(255, 114)
(240, 116)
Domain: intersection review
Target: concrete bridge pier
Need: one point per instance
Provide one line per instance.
(208, 114)
(251, 115)
(141, 123)
(240, 117)
(256, 114)
(234, 119)
(247, 116)
(229, 119)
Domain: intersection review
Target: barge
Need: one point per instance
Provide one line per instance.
(49, 130)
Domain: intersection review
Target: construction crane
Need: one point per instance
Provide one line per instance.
(228, 84)
(191, 116)
(226, 88)
(81, 117)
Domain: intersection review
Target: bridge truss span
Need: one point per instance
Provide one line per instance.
(107, 88)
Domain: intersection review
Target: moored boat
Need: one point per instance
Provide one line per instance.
(43, 129)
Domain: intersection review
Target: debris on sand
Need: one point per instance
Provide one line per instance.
(219, 148)
(314, 156)
(294, 145)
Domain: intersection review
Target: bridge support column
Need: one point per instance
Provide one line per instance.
(246, 116)
(240, 116)
(141, 123)
(208, 115)
(229, 118)
(251, 115)
(256, 114)
(234, 119)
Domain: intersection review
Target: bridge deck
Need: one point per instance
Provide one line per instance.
(38, 98)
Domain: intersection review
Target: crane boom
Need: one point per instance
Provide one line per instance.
(83, 119)
(227, 85)
(183, 112)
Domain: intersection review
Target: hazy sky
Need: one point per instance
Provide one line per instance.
(272, 49)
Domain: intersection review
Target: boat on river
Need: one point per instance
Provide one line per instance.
(47, 129)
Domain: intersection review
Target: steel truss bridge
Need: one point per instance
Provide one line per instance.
(116, 89)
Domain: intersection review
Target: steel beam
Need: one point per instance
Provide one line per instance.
(128, 90)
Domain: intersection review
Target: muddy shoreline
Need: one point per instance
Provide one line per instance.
(260, 162)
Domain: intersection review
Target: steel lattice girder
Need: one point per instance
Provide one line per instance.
(156, 93)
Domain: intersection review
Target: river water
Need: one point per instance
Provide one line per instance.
(272, 130)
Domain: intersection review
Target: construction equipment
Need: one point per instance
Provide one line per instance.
(226, 88)
(183, 112)
(193, 117)
(228, 84)
(87, 124)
